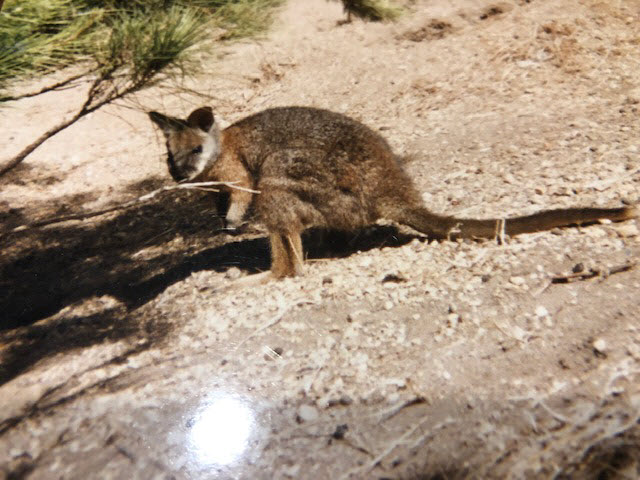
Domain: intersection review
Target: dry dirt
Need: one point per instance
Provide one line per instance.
(393, 356)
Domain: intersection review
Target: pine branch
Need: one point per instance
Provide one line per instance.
(48, 88)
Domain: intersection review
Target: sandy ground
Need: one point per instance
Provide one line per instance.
(124, 355)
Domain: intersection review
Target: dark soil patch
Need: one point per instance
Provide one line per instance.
(434, 30)
(491, 11)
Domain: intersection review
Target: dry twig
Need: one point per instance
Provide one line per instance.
(140, 200)
(396, 409)
(591, 273)
(401, 440)
(275, 319)
(61, 85)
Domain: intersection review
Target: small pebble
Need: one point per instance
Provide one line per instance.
(541, 311)
(600, 345)
(307, 413)
(630, 230)
(366, 262)
(233, 273)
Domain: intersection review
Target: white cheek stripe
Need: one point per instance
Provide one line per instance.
(210, 151)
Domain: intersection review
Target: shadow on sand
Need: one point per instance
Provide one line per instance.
(131, 255)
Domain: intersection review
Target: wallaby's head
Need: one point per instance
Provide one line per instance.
(193, 145)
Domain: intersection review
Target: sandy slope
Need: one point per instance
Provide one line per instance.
(450, 359)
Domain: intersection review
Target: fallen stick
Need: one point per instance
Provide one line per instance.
(396, 409)
(140, 200)
(401, 440)
(591, 273)
(275, 319)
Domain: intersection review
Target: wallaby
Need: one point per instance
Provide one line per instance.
(316, 168)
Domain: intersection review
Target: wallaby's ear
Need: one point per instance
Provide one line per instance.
(201, 118)
(167, 124)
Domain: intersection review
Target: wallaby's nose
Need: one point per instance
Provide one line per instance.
(176, 174)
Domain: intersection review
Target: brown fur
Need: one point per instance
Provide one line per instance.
(318, 168)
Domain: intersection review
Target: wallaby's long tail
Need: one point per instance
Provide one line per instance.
(439, 226)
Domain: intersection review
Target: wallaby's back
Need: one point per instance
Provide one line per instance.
(339, 172)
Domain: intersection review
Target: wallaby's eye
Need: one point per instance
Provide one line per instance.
(197, 150)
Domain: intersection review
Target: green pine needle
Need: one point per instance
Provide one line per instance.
(141, 37)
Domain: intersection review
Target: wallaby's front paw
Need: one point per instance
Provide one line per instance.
(236, 229)
(233, 224)
(235, 215)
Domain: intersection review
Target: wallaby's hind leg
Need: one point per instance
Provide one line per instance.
(286, 255)
(285, 215)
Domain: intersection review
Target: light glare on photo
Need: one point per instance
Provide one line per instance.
(221, 431)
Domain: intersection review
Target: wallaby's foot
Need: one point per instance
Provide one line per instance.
(254, 280)
(239, 230)
(250, 280)
(287, 257)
